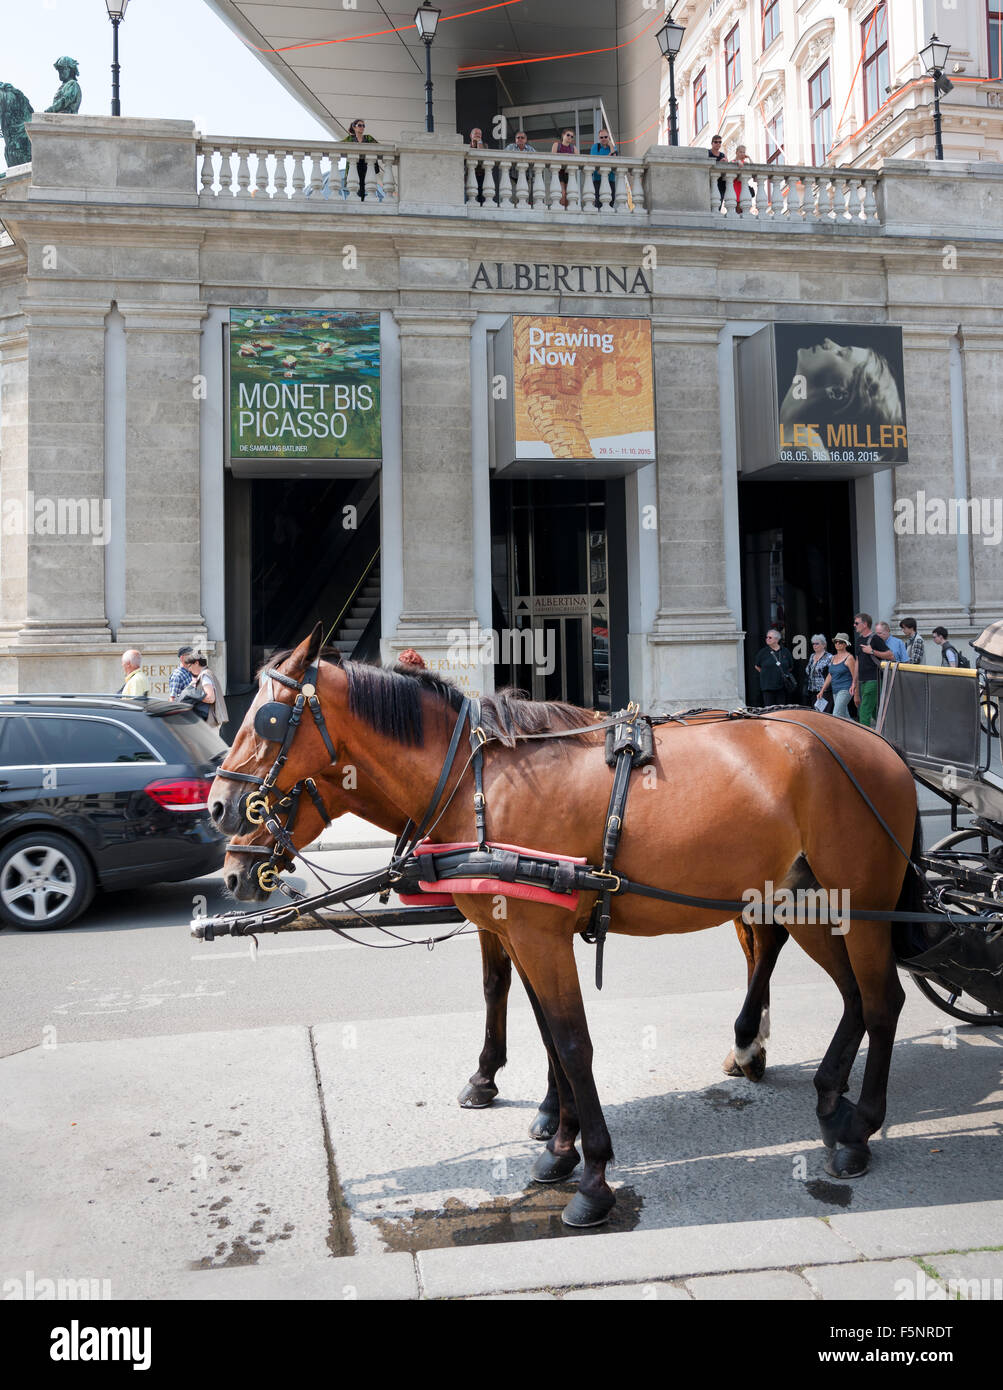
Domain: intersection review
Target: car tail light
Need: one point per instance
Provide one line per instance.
(183, 794)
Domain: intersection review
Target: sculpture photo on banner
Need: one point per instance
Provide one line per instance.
(582, 389)
(304, 384)
(841, 393)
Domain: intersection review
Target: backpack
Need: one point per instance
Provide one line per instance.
(963, 663)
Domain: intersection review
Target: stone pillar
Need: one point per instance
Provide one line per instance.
(437, 501)
(982, 363)
(59, 557)
(162, 544)
(695, 645)
(13, 484)
(928, 584)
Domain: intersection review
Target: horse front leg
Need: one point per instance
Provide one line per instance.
(496, 971)
(546, 963)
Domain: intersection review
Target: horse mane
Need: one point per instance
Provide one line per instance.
(390, 700)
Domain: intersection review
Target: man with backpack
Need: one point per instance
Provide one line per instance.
(949, 654)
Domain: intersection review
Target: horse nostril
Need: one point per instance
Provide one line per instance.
(231, 880)
(216, 812)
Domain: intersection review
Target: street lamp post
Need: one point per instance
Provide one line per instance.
(934, 58)
(670, 38)
(116, 13)
(426, 21)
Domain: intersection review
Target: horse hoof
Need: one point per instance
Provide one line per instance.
(835, 1126)
(551, 1167)
(544, 1126)
(584, 1210)
(847, 1163)
(755, 1068)
(730, 1067)
(476, 1096)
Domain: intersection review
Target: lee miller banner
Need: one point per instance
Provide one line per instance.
(304, 385)
(822, 400)
(578, 391)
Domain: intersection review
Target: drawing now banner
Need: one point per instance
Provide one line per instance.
(582, 391)
(304, 385)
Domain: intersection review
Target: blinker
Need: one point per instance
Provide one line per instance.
(272, 721)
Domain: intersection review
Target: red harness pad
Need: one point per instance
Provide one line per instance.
(440, 891)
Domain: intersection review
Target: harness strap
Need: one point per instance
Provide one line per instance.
(411, 835)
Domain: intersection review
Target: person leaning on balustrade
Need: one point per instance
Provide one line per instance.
(477, 142)
(356, 136)
(521, 145)
(604, 145)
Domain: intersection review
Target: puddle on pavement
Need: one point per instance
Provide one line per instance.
(535, 1215)
(725, 1100)
(836, 1194)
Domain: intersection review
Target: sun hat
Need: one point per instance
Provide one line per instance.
(841, 637)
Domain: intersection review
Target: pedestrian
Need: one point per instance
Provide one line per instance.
(136, 680)
(816, 671)
(181, 676)
(356, 135)
(914, 645)
(412, 659)
(894, 644)
(841, 676)
(604, 145)
(477, 142)
(717, 154)
(775, 665)
(215, 712)
(870, 650)
(949, 654)
(742, 157)
(566, 145)
(521, 145)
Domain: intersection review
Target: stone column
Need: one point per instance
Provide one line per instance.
(982, 362)
(437, 501)
(13, 484)
(695, 645)
(162, 546)
(928, 584)
(55, 579)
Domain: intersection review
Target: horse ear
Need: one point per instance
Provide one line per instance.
(306, 653)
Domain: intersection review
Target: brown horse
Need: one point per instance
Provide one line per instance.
(758, 795)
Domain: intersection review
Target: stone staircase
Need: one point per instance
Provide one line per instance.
(362, 608)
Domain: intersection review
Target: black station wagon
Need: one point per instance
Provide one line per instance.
(100, 792)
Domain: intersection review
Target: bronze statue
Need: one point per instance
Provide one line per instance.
(15, 111)
(69, 95)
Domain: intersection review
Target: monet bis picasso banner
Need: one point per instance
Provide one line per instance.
(581, 391)
(304, 385)
(830, 394)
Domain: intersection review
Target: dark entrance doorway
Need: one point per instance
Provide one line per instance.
(298, 552)
(559, 589)
(798, 565)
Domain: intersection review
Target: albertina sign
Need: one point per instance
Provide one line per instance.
(304, 386)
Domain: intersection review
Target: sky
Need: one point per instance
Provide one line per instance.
(178, 59)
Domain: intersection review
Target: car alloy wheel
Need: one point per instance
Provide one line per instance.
(45, 881)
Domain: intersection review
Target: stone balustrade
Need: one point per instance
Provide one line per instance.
(778, 195)
(283, 172)
(565, 185)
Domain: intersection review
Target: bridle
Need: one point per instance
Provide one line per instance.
(276, 722)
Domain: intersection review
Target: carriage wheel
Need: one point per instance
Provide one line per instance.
(953, 1002)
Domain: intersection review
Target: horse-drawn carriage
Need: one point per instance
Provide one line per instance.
(944, 719)
(768, 780)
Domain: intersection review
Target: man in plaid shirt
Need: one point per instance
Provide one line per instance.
(913, 642)
(180, 676)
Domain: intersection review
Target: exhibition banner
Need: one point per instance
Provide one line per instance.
(582, 389)
(840, 393)
(304, 384)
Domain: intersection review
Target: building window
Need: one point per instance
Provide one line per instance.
(700, 101)
(732, 61)
(820, 107)
(775, 139)
(874, 37)
(996, 44)
(771, 21)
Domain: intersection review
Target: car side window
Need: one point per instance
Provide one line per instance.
(18, 745)
(75, 741)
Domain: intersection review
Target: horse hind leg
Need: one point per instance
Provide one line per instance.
(762, 945)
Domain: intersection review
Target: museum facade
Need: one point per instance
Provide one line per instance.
(586, 430)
